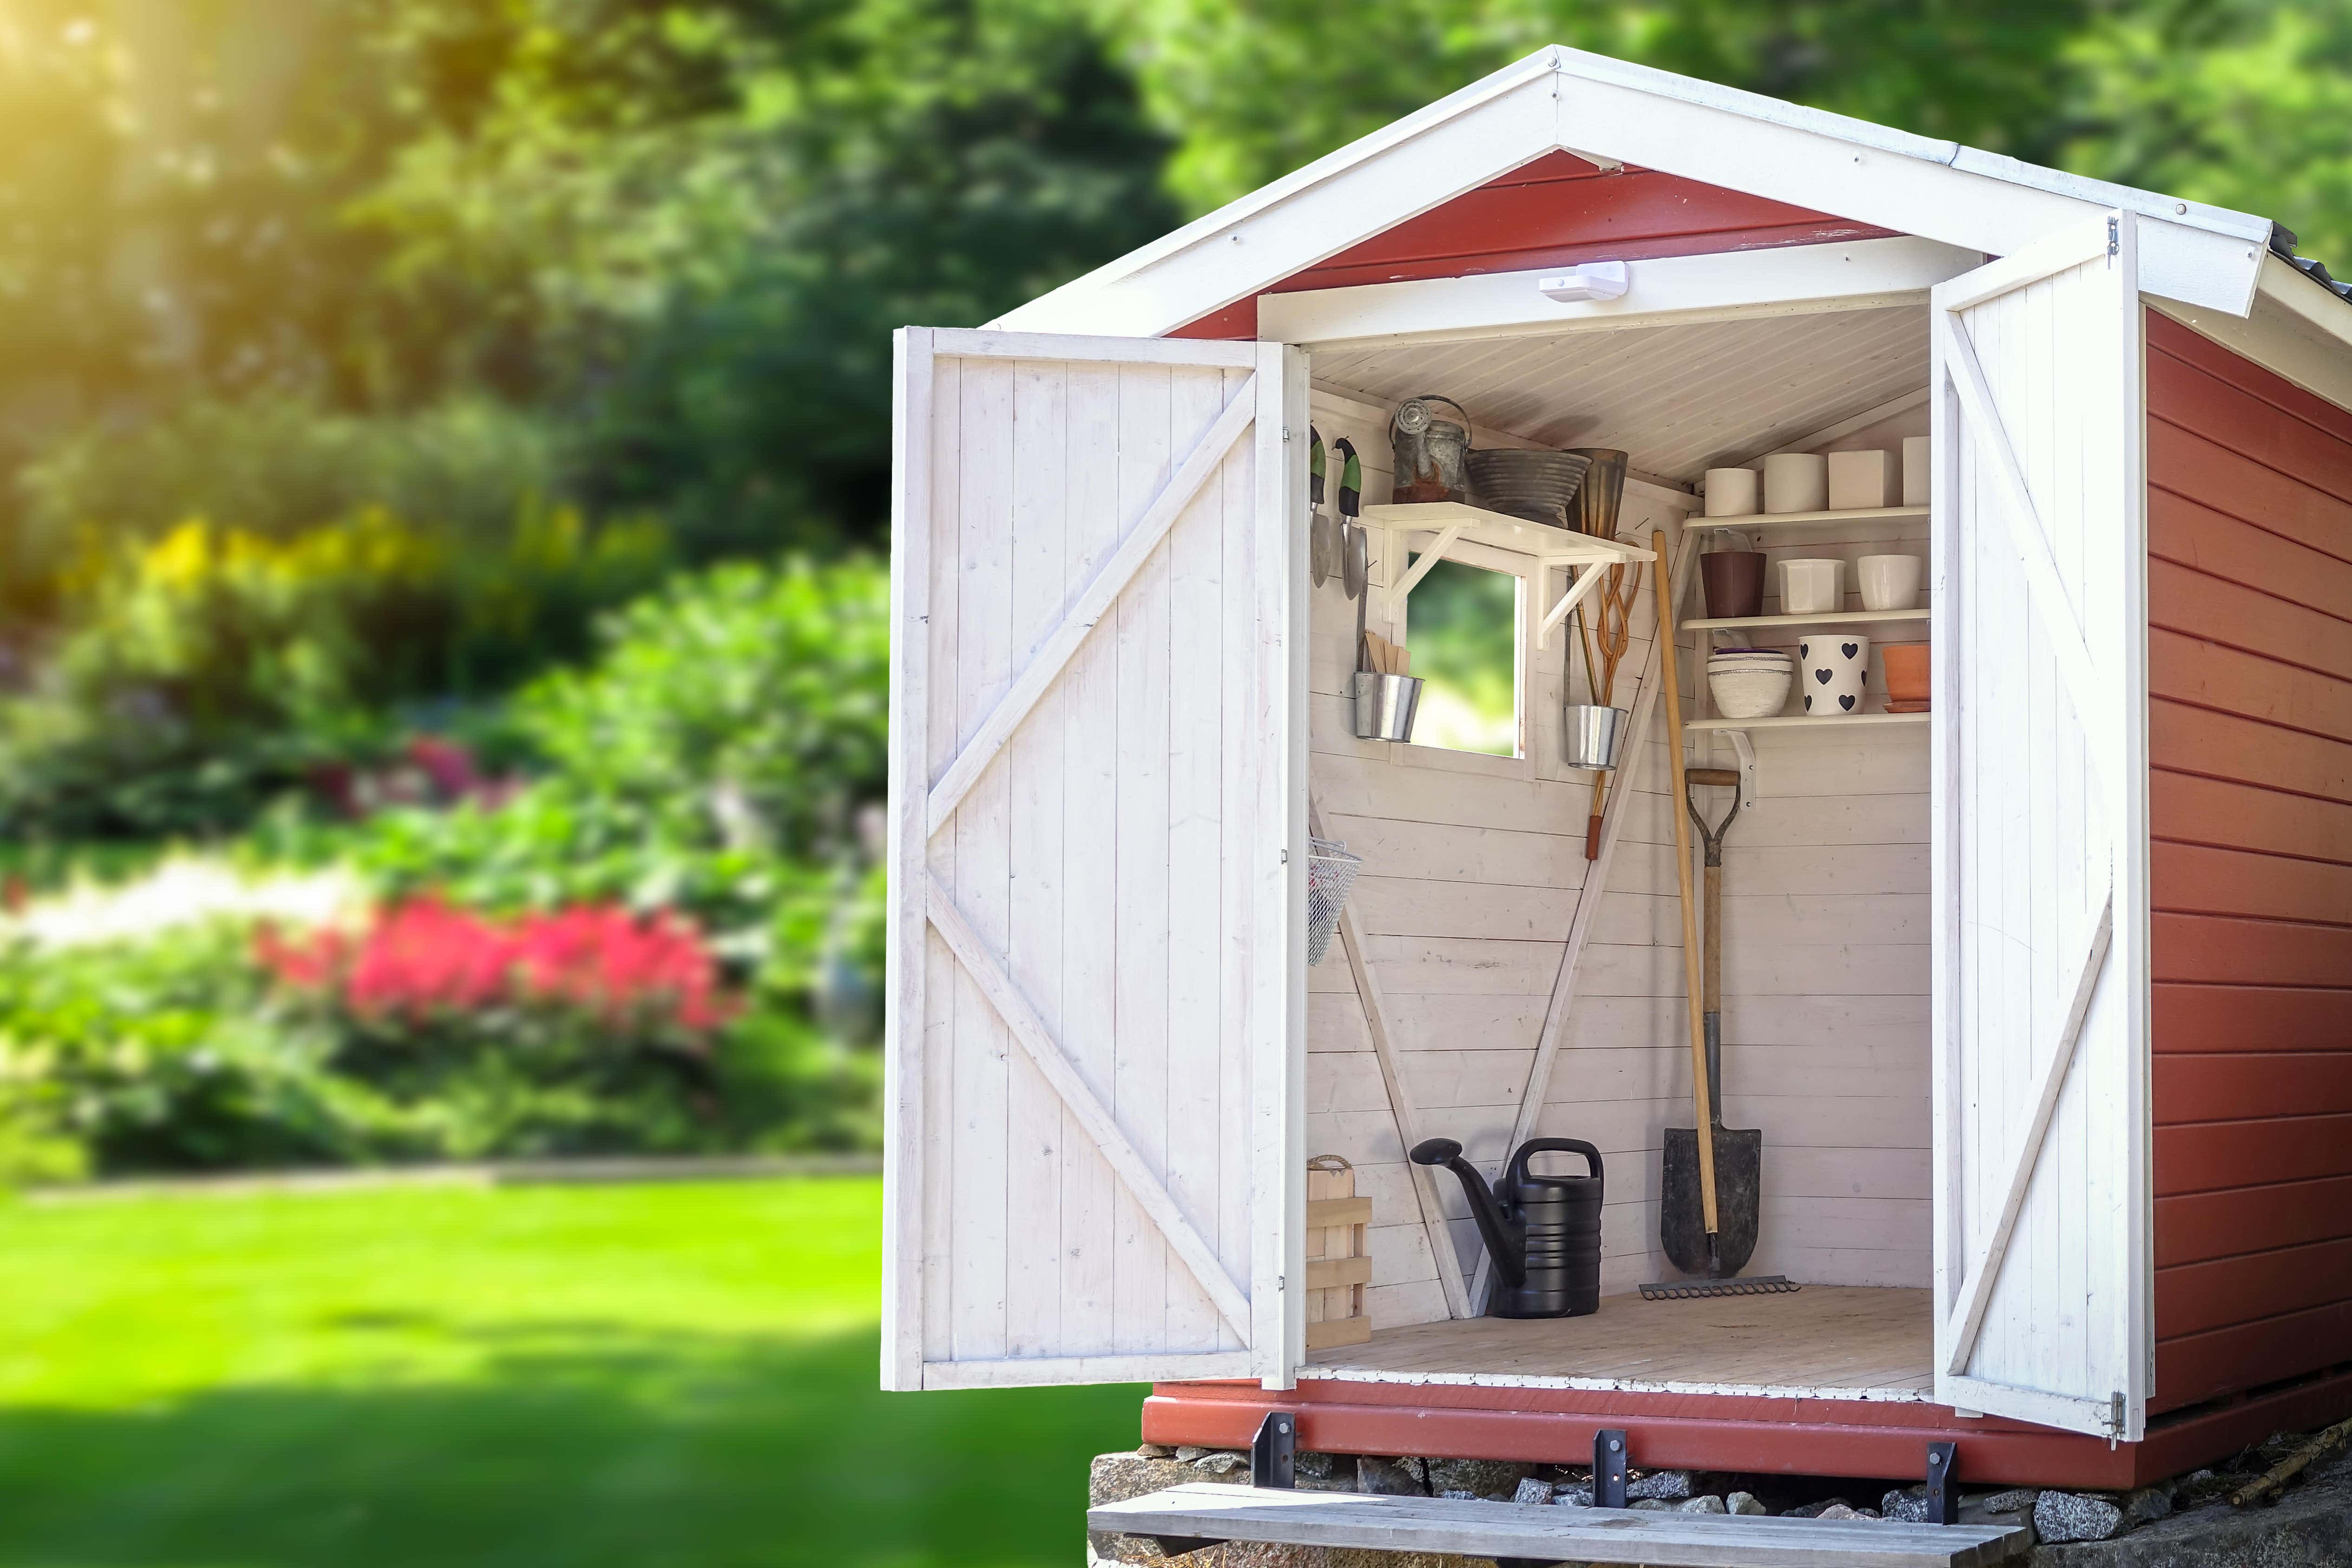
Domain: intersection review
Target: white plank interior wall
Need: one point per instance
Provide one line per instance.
(1473, 867)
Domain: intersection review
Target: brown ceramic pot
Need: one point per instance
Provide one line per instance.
(1734, 581)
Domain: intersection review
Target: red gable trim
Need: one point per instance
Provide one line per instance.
(1554, 212)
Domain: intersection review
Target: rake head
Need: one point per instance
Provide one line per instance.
(1694, 1289)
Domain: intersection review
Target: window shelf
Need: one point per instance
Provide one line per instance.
(1547, 546)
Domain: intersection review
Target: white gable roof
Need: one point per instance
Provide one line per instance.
(1560, 98)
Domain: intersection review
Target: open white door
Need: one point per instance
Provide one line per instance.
(1095, 1162)
(2041, 872)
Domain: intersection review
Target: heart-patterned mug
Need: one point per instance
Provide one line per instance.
(1832, 669)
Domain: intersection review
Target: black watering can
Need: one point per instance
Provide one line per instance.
(1543, 1231)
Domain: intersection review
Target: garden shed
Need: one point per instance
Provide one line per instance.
(2040, 993)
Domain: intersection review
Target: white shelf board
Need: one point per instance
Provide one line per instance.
(1559, 547)
(1807, 721)
(1838, 618)
(1812, 519)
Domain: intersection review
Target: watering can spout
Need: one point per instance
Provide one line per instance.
(1505, 1238)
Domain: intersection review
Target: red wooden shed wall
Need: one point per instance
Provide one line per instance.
(2250, 664)
(1555, 212)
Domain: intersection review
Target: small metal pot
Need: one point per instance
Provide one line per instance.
(1385, 706)
(1591, 735)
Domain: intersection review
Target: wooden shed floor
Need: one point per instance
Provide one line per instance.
(1839, 1341)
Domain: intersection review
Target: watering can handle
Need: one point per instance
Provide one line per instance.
(1518, 1172)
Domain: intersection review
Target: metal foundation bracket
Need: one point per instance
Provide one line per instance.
(1943, 1493)
(1609, 1469)
(1176, 1545)
(1273, 1452)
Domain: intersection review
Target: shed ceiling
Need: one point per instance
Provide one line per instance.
(1680, 399)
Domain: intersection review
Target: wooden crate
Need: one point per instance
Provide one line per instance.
(1338, 1261)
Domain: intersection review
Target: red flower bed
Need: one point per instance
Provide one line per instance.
(425, 959)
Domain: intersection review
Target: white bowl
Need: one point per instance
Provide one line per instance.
(1742, 692)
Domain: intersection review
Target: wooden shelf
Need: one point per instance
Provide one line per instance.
(1555, 546)
(1837, 618)
(1812, 519)
(1807, 721)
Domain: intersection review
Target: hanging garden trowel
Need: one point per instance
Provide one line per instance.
(1720, 1249)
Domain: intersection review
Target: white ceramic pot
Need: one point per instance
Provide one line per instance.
(1731, 492)
(1796, 482)
(1749, 685)
(1832, 668)
(1812, 587)
(1889, 582)
(1915, 471)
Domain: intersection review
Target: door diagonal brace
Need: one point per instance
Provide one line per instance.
(1045, 1055)
(1063, 642)
(1976, 1290)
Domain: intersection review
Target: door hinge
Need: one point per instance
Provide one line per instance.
(2114, 237)
(2115, 1419)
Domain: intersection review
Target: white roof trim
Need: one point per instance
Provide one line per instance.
(1562, 99)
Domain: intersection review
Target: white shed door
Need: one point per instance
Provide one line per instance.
(2041, 879)
(1097, 861)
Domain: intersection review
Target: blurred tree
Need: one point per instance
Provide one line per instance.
(1264, 85)
(681, 227)
(2243, 104)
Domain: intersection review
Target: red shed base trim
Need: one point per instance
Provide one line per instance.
(1722, 1432)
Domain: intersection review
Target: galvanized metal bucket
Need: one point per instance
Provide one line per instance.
(1385, 706)
(1591, 735)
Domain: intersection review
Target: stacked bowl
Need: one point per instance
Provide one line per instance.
(1750, 683)
(1530, 484)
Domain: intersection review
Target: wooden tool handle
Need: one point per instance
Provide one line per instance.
(1694, 988)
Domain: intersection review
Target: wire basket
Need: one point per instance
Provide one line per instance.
(1330, 872)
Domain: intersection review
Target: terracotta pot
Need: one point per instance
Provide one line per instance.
(1734, 581)
(1909, 672)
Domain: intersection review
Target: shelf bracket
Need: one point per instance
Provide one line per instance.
(1421, 569)
(1745, 749)
(1584, 582)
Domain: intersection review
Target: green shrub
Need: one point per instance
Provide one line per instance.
(211, 667)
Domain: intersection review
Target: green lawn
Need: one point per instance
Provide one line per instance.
(645, 1376)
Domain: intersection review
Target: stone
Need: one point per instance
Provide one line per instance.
(1480, 1478)
(1322, 1467)
(1188, 1452)
(1744, 1502)
(1670, 1486)
(1456, 1494)
(1651, 1505)
(1115, 1478)
(2146, 1505)
(1575, 1495)
(1391, 1478)
(2061, 1516)
(1155, 1451)
(1815, 1510)
(1223, 1464)
(1867, 1513)
(1532, 1491)
(1835, 1510)
(1709, 1504)
(2016, 1500)
(2201, 1487)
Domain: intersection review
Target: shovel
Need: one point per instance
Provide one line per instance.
(1738, 1151)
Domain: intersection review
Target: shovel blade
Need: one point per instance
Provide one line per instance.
(1739, 1188)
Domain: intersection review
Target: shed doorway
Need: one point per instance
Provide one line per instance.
(1472, 897)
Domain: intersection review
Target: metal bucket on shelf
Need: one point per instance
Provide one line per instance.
(1385, 706)
(1591, 735)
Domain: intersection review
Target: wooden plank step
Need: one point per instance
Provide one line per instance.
(1206, 1511)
